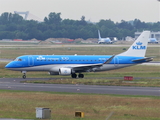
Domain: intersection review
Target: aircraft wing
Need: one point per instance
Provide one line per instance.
(85, 68)
(109, 60)
(147, 59)
(90, 67)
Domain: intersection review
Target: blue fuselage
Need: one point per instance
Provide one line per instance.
(54, 62)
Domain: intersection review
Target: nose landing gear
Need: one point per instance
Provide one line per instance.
(24, 74)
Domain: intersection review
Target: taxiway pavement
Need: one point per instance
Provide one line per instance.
(15, 84)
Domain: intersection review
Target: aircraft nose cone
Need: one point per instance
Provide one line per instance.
(9, 65)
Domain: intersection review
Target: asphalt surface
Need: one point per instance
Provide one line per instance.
(14, 84)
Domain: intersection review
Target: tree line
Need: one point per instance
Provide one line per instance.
(13, 26)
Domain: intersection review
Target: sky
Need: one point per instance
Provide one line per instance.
(93, 10)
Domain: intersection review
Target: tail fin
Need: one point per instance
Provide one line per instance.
(99, 35)
(139, 47)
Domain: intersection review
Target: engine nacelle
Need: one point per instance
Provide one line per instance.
(65, 71)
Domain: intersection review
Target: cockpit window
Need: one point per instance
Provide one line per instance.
(18, 59)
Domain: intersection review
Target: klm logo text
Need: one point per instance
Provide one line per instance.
(139, 46)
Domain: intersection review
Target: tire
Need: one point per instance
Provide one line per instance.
(24, 76)
(74, 75)
(81, 75)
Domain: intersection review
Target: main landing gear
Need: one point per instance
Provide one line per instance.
(24, 74)
(75, 75)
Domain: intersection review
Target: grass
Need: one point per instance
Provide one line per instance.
(108, 82)
(13, 52)
(143, 76)
(19, 104)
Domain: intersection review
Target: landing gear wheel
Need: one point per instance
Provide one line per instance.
(81, 76)
(74, 75)
(24, 76)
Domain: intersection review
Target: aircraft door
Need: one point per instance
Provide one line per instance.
(116, 61)
(30, 61)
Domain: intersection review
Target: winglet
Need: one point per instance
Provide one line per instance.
(109, 60)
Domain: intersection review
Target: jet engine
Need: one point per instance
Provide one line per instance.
(65, 71)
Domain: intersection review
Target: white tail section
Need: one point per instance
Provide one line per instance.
(99, 35)
(139, 47)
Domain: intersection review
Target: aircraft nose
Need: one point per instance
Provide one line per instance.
(9, 65)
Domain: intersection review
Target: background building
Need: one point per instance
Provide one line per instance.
(153, 35)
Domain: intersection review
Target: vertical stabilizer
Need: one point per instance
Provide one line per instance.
(139, 47)
(99, 35)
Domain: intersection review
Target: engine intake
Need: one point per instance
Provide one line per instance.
(65, 71)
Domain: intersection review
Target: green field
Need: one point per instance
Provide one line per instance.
(143, 76)
(11, 52)
(20, 104)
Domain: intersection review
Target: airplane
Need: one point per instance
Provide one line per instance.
(103, 40)
(153, 40)
(73, 64)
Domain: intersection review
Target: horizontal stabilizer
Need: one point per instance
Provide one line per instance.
(144, 59)
(109, 60)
